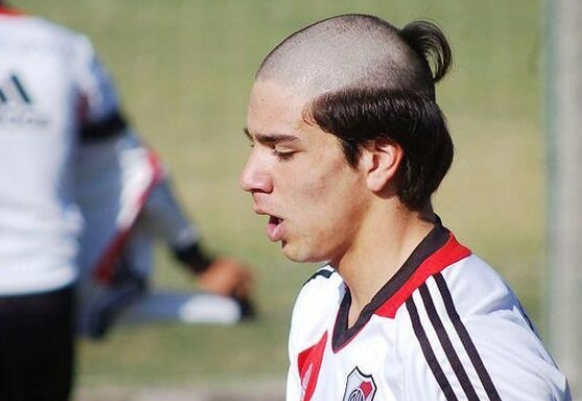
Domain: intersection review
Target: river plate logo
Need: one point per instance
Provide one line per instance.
(359, 387)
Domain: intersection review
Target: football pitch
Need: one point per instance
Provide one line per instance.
(184, 70)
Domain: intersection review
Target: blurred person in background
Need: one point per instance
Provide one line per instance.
(128, 204)
(59, 118)
(51, 89)
(349, 144)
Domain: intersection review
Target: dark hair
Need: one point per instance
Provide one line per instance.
(408, 116)
(430, 44)
(358, 116)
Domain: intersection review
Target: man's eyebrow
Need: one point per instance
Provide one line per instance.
(271, 139)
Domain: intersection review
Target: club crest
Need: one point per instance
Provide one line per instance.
(359, 387)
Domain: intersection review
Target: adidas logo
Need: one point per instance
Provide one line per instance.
(17, 104)
(12, 91)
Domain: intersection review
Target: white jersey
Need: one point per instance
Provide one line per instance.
(445, 327)
(51, 89)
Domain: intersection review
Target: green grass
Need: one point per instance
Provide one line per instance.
(184, 69)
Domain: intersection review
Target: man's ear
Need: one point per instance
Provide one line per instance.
(381, 159)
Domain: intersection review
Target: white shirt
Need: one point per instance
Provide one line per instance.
(51, 86)
(445, 327)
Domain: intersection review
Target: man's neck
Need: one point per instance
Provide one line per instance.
(382, 247)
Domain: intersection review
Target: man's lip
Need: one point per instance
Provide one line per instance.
(261, 211)
(258, 210)
(275, 229)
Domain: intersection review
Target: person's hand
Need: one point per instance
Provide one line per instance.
(229, 277)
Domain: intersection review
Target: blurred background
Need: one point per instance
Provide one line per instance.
(184, 70)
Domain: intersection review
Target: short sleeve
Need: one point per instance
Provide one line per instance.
(471, 340)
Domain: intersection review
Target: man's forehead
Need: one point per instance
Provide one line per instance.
(268, 90)
(276, 116)
(273, 106)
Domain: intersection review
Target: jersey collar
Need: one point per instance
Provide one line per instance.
(435, 252)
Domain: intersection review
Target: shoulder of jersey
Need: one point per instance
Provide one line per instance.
(325, 281)
(31, 26)
(476, 287)
(322, 290)
(324, 272)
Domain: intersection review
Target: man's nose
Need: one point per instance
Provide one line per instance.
(254, 177)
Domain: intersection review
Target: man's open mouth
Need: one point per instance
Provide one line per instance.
(275, 228)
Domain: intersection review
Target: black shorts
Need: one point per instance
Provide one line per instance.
(37, 346)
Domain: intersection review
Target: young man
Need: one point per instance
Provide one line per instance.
(349, 144)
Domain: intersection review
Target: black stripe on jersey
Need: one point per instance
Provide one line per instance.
(107, 128)
(466, 339)
(429, 355)
(320, 273)
(447, 345)
(3, 97)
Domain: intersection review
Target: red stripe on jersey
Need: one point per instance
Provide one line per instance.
(450, 253)
(309, 364)
(10, 11)
(106, 265)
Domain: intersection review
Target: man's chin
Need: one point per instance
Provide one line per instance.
(292, 253)
(300, 255)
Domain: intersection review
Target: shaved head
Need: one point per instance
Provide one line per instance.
(349, 51)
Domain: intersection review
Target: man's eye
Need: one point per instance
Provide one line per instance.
(283, 155)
